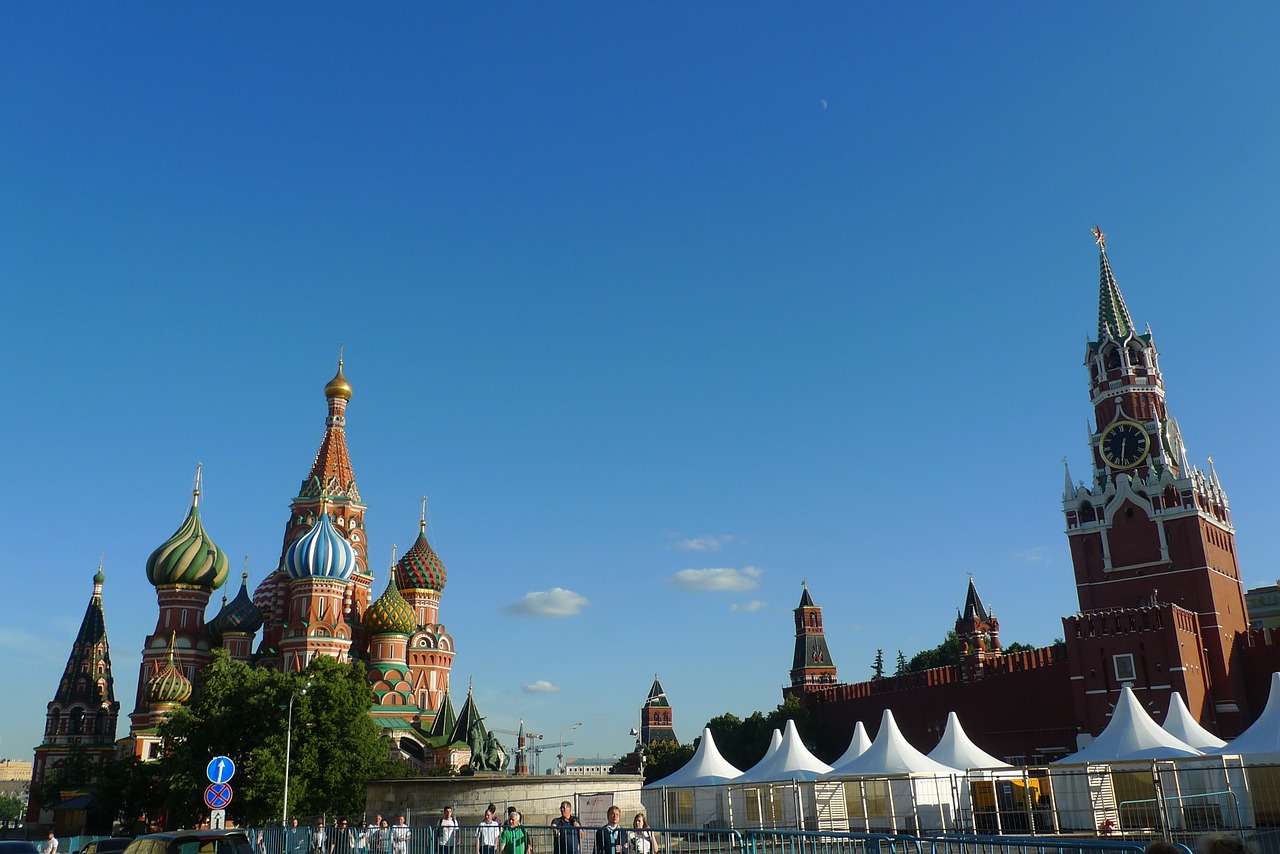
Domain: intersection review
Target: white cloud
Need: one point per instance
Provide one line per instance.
(542, 686)
(747, 607)
(1038, 554)
(556, 602)
(721, 578)
(705, 543)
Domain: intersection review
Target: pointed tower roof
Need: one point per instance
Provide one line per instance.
(189, 556)
(806, 601)
(331, 473)
(239, 616)
(468, 716)
(657, 697)
(442, 724)
(87, 678)
(973, 606)
(1113, 315)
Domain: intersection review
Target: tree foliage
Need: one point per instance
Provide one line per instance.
(10, 808)
(743, 741)
(242, 712)
(945, 653)
(877, 666)
(666, 757)
(901, 666)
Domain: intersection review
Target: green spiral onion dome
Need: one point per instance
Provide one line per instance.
(169, 685)
(189, 557)
(421, 568)
(391, 614)
(239, 615)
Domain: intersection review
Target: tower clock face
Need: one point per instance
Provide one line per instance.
(1124, 444)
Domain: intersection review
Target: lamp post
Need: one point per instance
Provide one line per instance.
(565, 768)
(288, 751)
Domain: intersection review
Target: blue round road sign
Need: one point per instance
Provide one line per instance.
(220, 770)
(217, 796)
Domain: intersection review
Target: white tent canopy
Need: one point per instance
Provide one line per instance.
(706, 768)
(1180, 724)
(790, 761)
(891, 754)
(1132, 734)
(1264, 735)
(857, 745)
(958, 751)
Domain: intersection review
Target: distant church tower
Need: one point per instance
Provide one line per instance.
(978, 632)
(1152, 543)
(83, 712)
(655, 717)
(811, 666)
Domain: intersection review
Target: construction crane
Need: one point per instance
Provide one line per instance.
(519, 749)
(537, 754)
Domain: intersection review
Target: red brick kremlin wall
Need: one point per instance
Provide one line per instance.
(1021, 707)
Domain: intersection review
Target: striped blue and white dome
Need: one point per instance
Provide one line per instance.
(321, 552)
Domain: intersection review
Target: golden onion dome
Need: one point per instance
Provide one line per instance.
(169, 685)
(391, 614)
(338, 386)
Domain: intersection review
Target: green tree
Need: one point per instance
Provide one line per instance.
(945, 653)
(10, 808)
(241, 712)
(877, 666)
(901, 667)
(1018, 647)
(666, 757)
(743, 741)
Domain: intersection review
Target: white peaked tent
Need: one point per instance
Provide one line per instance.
(958, 751)
(770, 795)
(706, 768)
(889, 787)
(1180, 724)
(791, 760)
(1264, 734)
(857, 746)
(1132, 734)
(891, 754)
(692, 796)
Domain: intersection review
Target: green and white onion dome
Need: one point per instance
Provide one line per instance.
(321, 552)
(421, 568)
(189, 557)
(391, 614)
(169, 685)
(238, 615)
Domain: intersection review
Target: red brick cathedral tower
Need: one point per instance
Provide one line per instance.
(811, 665)
(1151, 543)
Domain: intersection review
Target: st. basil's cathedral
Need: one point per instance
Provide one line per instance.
(316, 602)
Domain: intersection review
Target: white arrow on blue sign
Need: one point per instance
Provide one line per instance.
(221, 769)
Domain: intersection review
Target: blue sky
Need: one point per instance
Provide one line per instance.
(631, 294)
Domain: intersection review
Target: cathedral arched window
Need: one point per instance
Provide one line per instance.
(75, 721)
(1087, 513)
(1111, 358)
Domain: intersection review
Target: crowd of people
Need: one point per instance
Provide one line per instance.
(491, 837)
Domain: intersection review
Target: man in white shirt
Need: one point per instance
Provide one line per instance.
(400, 834)
(448, 827)
(50, 844)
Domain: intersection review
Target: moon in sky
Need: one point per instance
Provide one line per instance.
(824, 103)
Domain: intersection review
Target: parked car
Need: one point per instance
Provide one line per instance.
(191, 842)
(114, 845)
(18, 846)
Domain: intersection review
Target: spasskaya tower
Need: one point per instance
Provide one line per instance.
(1152, 545)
